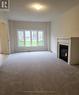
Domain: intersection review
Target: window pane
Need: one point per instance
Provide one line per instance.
(34, 38)
(40, 38)
(27, 39)
(20, 38)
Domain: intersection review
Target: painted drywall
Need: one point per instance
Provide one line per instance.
(0, 38)
(4, 33)
(67, 25)
(14, 25)
(0, 45)
(4, 45)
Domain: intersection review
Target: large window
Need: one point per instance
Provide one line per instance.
(27, 38)
(20, 38)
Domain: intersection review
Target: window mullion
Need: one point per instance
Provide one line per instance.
(43, 38)
(31, 37)
(37, 38)
(24, 38)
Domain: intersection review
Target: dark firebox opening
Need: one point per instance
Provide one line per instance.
(63, 52)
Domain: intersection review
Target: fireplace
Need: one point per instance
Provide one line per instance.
(63, 52)
(68, 49)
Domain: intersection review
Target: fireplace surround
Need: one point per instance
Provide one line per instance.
(68, 49)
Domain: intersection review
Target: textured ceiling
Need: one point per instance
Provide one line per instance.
(20, 9)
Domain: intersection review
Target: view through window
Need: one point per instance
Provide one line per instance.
(27, 38)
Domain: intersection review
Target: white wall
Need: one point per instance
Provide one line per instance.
(66, 25)
(27, 25)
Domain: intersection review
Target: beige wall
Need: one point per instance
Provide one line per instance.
(4, 38)
(0, 46)
(4, 33)
(14, 25)
(0, 40)
(66, 25)
(0, 37)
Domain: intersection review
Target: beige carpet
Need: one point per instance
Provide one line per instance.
(37, 73)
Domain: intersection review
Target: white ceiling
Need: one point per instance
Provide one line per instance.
(20, 9)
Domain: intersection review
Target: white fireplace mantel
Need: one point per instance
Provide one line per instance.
(73, 48)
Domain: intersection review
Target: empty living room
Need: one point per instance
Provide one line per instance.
(39, 47)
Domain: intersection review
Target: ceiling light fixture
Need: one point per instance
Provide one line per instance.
(37, 6)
